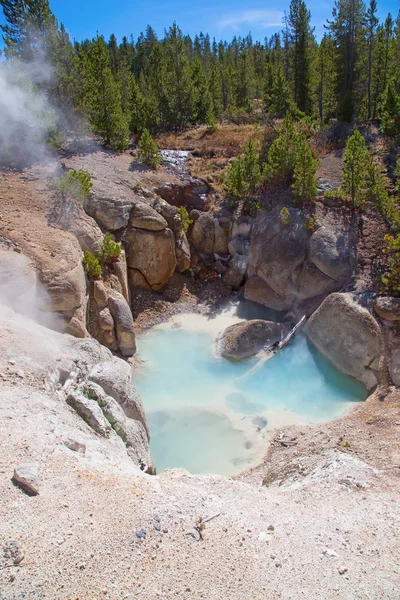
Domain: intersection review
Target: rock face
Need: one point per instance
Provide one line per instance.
(247, 338)
(27, 477)
(349, 336)
(293, 269)
(111, 320)
(114, 377)
(152, 255)
(90, 412)
(388, 308)
(144, 216)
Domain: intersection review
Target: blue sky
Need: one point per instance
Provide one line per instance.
(220, 18)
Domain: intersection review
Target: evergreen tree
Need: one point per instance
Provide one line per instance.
(305, 167)
(28, 22)
(201, 94)
(103, 98)
(148, 152)
(282, 154)
(371, 25)
(355, 159)
(301, 38)
(178, 81)
(346, 29)
(390, 110)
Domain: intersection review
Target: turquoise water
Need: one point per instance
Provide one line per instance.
(211, 415)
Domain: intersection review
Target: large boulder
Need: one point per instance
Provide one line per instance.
(152, 255)
(248, 338)
(203, 233)
(144, 216)
(292, 269)
(349, 336)
(111, 213)
(388, 308)
(124, 329)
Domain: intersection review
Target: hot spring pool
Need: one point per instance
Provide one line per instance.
(210, 415)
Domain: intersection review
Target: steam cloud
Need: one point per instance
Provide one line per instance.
(25, 114)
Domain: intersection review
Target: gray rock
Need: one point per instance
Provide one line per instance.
(27, 477)
(90, 412)
(123, 320)
(248, 338)
(329, 251)
(75, 446)
(182, 251)
(349, 336)
(144, 216)
(221, 237)
(14, 551)
(388, 308)
(291, 270)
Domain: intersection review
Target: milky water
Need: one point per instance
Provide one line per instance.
(211, 415)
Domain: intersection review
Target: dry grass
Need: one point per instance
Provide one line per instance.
(226, 141)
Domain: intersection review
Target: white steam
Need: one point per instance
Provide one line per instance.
(25, 114)
(21, 290)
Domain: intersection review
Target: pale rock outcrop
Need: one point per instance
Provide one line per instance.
(132, 432)
(90, 412)
(388, 308)
(114, 376)
(120, 269)
(349, 336)
(248, 338)
(235, 274)
(291, 269)
(152, 254)
(69, 215)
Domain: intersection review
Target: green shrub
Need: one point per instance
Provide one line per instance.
(148, 152)
(91, 265)
(74, 184)
(285, 215)
(211, 121)
(310, 224)
(234, 182)
(184, 218)
(397, 173)
(56, 138)
(391, 279)
(110, 251)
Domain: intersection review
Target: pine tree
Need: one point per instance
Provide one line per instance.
(301, 39)
(28, 22)
(103, 98)
(371, 25)
(355, 159)
(178, 82)
(305, 167)
(390, 110)
(326, 84)
(148, 152)
(201, 94)
(346, 29)
(282, 154)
